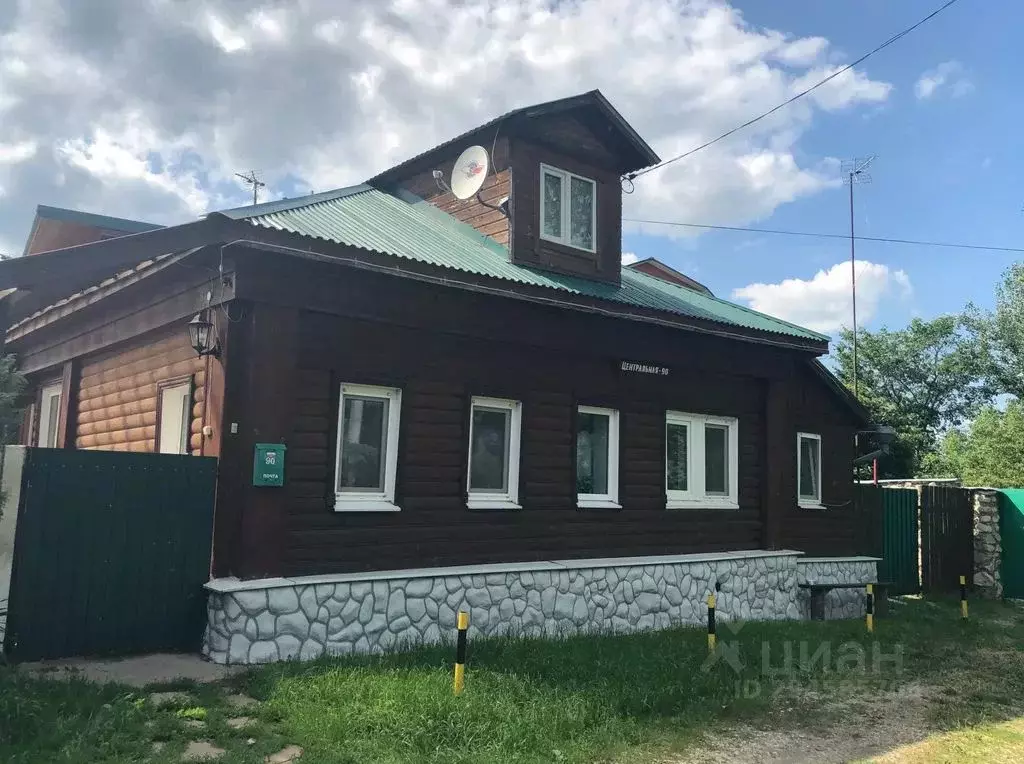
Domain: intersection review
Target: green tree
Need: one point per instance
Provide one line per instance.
(921, 380)
(990, 451)
(1000, 333)
(12, 388)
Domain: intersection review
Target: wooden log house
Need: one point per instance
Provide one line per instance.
(478, 410)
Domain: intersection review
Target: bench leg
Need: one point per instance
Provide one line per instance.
(817, 605)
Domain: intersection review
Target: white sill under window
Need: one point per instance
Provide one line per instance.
(583, 502)
(707, 502)
(490, 502)
(346, 502)
(810, 504)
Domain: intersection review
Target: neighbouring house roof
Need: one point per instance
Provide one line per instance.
(368, 219)
(643, 154)
(654, 267)
(96, 221)
(103, 227)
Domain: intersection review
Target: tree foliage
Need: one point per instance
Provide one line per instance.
(1000, 334)
(921, 380)
(989, 452)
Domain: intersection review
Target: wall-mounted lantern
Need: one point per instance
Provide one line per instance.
(202, 335)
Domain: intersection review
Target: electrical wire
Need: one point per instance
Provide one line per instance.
(798, 96)
(822, 235)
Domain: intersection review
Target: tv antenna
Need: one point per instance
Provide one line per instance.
(468, 175)
(855, 172)
(252, 179)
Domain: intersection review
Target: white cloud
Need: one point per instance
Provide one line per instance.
(949, 75)
(319, 94)
(823, 303)
(628, 258)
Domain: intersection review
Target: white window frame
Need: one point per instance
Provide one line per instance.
(183, 389)
(808, 502)
(610, 499)
(370, 501)
(490, 499)
(565, 238)
(696, 495)
(47, 394)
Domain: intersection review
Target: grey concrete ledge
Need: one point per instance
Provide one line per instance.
(810, 560)
(228, 585)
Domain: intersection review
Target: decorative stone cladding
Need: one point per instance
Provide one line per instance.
(988, 544)
(279, 619)
(839, 603)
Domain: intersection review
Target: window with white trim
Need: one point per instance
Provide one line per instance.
(49, 415)
(808, 469)
(367, 454)
(175, 415)
(568, 208)
(492, 479)
(701, 460)
(597, 457)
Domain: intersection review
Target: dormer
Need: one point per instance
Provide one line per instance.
(559, 164)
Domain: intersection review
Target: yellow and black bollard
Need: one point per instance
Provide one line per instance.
(711, 623)
(460, 653)
(869, 608)
(963, 597)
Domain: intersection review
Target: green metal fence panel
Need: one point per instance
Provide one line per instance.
(111, 554)
(1011, 527)
(899, 564)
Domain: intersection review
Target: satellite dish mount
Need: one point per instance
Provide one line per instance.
(468, 176)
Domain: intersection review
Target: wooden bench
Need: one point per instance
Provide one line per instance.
(818, 592)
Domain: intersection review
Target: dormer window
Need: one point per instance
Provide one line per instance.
(568, 206)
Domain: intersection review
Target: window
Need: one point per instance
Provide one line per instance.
(174, 417)
(49, 415)
(568, 205)
(808, 469)
(367, 459)
(597, 457)
(701, 460)
(492, 481)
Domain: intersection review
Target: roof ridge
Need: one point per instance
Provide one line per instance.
(296, 202)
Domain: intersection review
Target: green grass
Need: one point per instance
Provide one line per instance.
(580, 699)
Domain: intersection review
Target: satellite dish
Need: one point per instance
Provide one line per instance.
(469, 172)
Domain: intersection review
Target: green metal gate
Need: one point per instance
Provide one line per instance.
(111, 553)
(899, 541)
(1011, 527)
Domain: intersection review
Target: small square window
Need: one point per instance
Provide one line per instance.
(597, 457)
(494, 432)
(808, 469)
(568, 208)
(367, 463)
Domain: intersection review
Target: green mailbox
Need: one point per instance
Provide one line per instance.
(268, 464)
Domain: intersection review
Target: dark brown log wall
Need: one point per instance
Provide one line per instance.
(437, 374)
(117, 392)
(839, 528)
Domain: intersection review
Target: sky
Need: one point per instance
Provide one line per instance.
(145, 109)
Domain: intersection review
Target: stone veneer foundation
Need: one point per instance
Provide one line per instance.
(279, 619)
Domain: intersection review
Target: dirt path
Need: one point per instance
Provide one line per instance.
(863, 727)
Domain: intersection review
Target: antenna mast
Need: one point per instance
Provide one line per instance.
(854, 172)
(252, 179)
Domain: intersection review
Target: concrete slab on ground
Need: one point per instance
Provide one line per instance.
(137, 671)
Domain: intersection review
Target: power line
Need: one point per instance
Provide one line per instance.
(636, 174)
(822, 235)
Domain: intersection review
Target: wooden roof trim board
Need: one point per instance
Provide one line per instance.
(645, 155)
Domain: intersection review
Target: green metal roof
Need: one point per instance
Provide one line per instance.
(364, 217)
